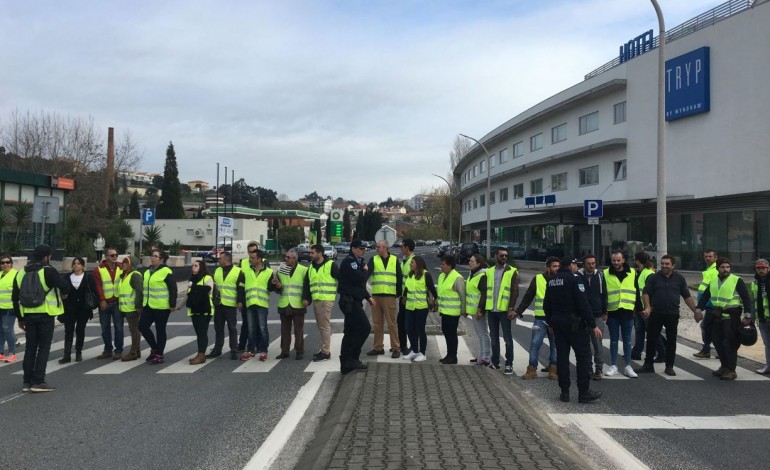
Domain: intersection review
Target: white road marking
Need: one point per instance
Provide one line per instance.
(53, 364)
(332, 365)
(269, 322)
(713, 364)
(255, 365)
(118, 367)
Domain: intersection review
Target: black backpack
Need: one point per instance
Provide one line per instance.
(31, 292)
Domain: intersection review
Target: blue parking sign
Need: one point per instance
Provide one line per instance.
(148, 216)
(593, 208)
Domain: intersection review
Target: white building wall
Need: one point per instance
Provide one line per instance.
(201, 232)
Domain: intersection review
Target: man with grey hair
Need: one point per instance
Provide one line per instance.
(385, 277)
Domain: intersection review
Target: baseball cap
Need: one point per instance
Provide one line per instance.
(356, 244)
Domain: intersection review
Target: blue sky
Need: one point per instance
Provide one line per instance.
(360, 99)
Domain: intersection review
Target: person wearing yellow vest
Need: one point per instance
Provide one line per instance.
(159, 300)
(226, 305)
(106, 276)
(502, 293)
(294, 288)
(385, 278)
(644, 268)
(38, 321)
(711, 272)
(733, 307)
(130, 300)
(200, 307)
(7, 317)
(254, 298)
(76, 312)
(420, 293)
(323, 274)
(760, 288)
(622, 301)
(244, 344)
(407, 252)
(451, 305)
(475, 305)
(540, 329)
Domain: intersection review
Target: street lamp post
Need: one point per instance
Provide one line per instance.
(662, 233)
(489, 188)
(449, 186)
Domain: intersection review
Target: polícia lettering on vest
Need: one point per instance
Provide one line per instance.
(556, 282)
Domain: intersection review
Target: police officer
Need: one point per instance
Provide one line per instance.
(568, 313)
(352, 289)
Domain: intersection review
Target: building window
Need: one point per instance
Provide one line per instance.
(491, 197)
(482, 200)
(475, 170)
(589, 123)
(559, 133)
(620, 170)
(518, 149)
(559, 182)
(503, 194)
(518, 191)
(620, 113)
(482, 166)
(503, 156)
(492, 161)
(475, 203)
(589, 176)
(536, 186)
(536, 142)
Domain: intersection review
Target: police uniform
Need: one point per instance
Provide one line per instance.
(567, 311)
(352, 290)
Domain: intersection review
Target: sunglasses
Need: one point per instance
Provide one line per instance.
(5, 262)
(114, 255)
(252, 251)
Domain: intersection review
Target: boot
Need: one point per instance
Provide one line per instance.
(199, 358)
(552, 372)
(129, 356)
(530, 374)
(65, 359)
(78, 356)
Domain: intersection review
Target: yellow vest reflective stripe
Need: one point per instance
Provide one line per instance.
(405, 268)
(448, 299)
(383, 278)
(108, 285)
(203, 282)
(53, 305)
(643, 275)
(755, 290)
(256, 286)
(126, 293)
(472, 292)
(322, 285)
(155, 293)
(228, 293)
(726, 295)
(291, 293)
(707, 276)
(620, 294)
(504, 293)
(417, 293)
(6, 289)
(540, 285)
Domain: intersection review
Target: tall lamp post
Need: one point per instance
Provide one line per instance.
(489, 188)
(449, 186)
(662, 233)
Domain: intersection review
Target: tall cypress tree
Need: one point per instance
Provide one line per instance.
(133, 206)
(170, 202)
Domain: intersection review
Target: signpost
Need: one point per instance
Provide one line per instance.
(148, 218)
(45, 208)
(593, 210)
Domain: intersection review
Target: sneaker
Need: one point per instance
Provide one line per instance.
(629, 372)
(157, 359)
(10, 359)
(670, 371)
(645, 369)
(589, 396)
(474, 361)
(152, 355)
(598, 375)
(494, 366)
(765, 370)
(702, 355)
(482, 363)
(508, 370)
(613, 370)
(263, 357)
(2, 356)
(39, 388)
(26, 387)
(321, 356)
(420, 357)
(409, 356)
(214, 353)
(375, 352)
(247, 355)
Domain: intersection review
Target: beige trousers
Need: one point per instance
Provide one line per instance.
(385, 310)
(323, 317)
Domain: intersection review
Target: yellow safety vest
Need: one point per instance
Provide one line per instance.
(291, 294)
(323, 286)
(416, 293)
(255, 285)
(6, 289)
(707, 276)
(540, 285)
(405, 268)
(108, 285)
(504, 293)
(472, 292)
(755, 292)
(384, 279)
(449, 302)
(726, 295)
(53, 305)
(228, 293)
(203, 282)
(126, 293)
(155, 293)
(620, 294)
(643, 275)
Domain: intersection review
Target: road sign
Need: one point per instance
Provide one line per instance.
(593, 208)
(45, 210)
(226, 227)
(148, 216)
(593, 221)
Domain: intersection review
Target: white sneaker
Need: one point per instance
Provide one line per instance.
(613, 370)
(629, 372)
(764, 370)
(409, 356)
(420, 357)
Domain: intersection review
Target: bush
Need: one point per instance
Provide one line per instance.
(289, 237)
(175, 247)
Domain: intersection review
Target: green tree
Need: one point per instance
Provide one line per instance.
(133, 206)
(317, 230)
(346, 225)
(170, 202)
(152, 234)
(21, 213)
(118, 232)
(290, 236)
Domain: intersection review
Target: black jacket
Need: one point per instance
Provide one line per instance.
(565, 299)
(352, 280)
(596, 291)
(76, 298)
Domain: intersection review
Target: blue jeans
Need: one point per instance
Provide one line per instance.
(7, 321)
(495, 320)
(259, 337)
(414, 321)
(539, 330)
(618, 327)
(112, 313)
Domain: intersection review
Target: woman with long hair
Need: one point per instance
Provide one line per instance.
(475, 300)
(77, 312)
(200, 307)
(420, 292)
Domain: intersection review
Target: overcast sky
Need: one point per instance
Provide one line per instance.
(359, 99)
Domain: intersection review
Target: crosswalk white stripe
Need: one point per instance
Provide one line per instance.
(332, 365)
(269, 322)
(254, 365)
(54, 347)
(713, 364)
(53, 364)
(118, 367)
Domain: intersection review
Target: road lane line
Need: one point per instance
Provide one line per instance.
(332, 365)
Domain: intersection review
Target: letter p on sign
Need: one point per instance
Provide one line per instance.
(593, 208)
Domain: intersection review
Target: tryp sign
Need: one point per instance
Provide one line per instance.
(687, 84)
(636, 47)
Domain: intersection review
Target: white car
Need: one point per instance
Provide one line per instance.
(329, 251)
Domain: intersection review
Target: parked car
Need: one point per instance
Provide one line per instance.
(443, 249)
(466, 251)
(303, 253)
(329, 251)
(342, 247)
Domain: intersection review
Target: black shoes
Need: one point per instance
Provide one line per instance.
(214, 353)
(65, 359)
(78, 356)
(669, 371)
(564, 396)
(645, 369)
(376, 352)
(352, 367)
(299, 356)
(234, 355)
(448, 360)
(282, 356)
(588, 396)
(321, 356)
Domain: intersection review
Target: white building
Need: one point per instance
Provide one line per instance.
(597, 140)
(202, 232)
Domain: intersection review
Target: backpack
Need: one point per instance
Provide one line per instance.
(31, 292)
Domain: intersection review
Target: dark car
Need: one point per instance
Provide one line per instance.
(303, 253)
(466, 251)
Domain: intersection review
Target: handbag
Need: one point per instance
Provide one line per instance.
(90, 299)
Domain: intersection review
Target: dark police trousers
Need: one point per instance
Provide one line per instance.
(356, 330)
(580, 342)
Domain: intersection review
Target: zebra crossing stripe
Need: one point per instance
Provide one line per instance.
(332, 365)
(713, 364)
(53, 364)
(254, 365)
(463, 352)
(118, 367)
